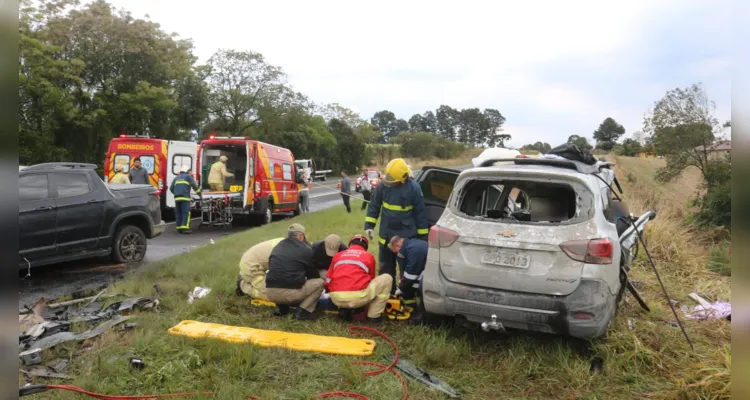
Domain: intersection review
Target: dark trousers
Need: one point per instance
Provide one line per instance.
(182, 215)
(345, 196)
(387, 264)
(366, 194)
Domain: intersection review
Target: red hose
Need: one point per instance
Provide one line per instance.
(354, 330)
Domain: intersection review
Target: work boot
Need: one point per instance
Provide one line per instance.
(186, 232)
(238, 291)
(280, 310)
(345, 314)
(417, 316)
(304, 315)
(375, 320)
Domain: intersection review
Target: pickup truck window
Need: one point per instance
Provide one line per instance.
(178, 160)
(33, 187)
(71, 185)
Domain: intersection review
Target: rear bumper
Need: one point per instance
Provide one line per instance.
(158, 229)
(525, 311)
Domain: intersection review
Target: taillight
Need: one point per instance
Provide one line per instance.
(257, 187)
(595, 251)
(156, 193)
(441, 237)
(160, 184)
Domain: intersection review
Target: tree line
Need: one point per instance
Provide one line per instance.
(89, 73)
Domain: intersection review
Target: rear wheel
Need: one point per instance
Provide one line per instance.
(268, 214)
(298, 210)
(130, 244)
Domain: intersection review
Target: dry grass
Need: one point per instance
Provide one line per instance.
(650, 361)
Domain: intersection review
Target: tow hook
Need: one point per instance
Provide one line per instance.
(492, 325)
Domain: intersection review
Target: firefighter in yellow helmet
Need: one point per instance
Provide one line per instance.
(218, 173)
(399, 204)
(120, 177)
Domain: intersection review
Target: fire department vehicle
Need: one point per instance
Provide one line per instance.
(264, 176)
(161, 158)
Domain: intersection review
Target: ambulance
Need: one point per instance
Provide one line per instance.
(161, 158)
(265, 176)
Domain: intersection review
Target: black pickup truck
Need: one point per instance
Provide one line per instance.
(66, 212)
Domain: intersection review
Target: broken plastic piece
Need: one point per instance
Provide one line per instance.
(418, 374)
(264, 338)
(31, 357)
(198, 293)
(137, 363)
(63, 337)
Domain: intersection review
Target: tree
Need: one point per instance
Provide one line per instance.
(385, 122)
(493, 127)
(369, 133)
(349, 147)
(400, 126)
(423, 122)
(88, 73)
(416, 144)
(241, 83)
(580, 141)
(541, 147)
(471, 126)
(684, 130)
(448, 120)
(337, 111)
(607, 134)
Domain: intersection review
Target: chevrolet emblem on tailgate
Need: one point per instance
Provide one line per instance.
(507, 233)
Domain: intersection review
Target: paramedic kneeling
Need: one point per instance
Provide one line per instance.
(292, 278)
(352, 283)
(412, 257)
(253, 268)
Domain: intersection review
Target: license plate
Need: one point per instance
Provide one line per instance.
(506, 259)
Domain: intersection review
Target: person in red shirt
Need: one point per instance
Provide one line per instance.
(351, 280)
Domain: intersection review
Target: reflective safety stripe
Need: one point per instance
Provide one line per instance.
(181, 182)
(423, 231)
(382, 241)
(410, 301)
(198, 190)
(353, 262)
(393, 207)
(182, 199)
(371, 219)
(410, 276)
(354, 295)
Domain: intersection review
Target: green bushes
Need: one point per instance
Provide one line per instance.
(721, 259)
(425, 145)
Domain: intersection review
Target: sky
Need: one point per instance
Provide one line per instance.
(552, 68)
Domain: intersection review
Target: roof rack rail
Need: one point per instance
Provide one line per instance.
(60, 165)
(552, 162)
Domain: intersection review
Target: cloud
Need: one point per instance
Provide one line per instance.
(552, 68)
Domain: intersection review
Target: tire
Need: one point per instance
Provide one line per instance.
(298, 210)
(267, 216)
(324, 178)
(130, 244)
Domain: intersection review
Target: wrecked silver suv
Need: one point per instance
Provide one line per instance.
(533, 244)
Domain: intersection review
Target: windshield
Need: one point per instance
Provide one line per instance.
(373, 175)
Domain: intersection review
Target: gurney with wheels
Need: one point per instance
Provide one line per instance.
(216, 208)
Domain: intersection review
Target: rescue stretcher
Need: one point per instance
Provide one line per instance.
(216, 209)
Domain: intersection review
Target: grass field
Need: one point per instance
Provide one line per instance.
(651, 360)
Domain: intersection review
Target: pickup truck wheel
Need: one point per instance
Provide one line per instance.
(130, 244)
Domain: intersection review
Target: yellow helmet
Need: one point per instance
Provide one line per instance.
(396, 172)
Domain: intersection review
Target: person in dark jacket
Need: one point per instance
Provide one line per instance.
(346, 190)
(399, 204)
(138, 174)
(412, 257)
(292, 278)
(323, 252)
(180, 187)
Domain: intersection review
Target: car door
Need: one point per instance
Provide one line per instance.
(437, 186)
(80, 211)
(179, 154)
(37, 213)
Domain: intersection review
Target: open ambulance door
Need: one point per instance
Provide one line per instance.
(179, 154)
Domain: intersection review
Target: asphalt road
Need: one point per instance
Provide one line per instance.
(58, 280)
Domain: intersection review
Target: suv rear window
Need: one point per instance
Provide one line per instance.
(523, 201)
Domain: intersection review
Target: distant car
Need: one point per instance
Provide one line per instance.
(372, 174)
(66, 212)
(534, 245)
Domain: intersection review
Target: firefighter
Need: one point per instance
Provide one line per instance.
(180, 187)
(120, 177)
(253, 267)
(218, 173)
(399, 203)
(412, 257)
(351, 280)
